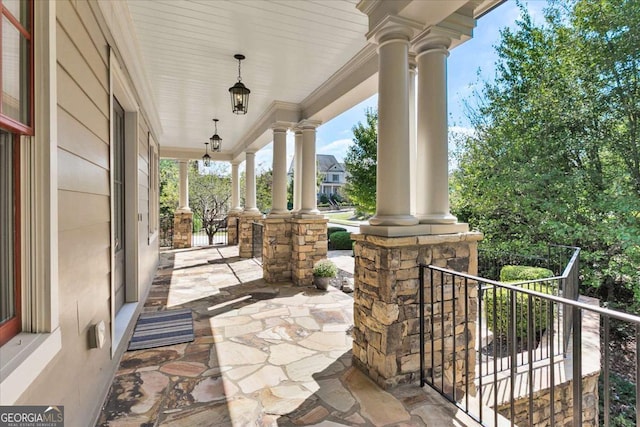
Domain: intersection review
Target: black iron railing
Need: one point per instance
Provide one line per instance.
(256, 239)
(218, 234)
(465, 367)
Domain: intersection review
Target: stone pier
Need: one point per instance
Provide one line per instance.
(386, 302)
(182, 229)
(233, 220)
(245, 232)
(276, 253)
(309, 245)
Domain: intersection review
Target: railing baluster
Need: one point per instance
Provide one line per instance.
(433, 338)
(442, 330)
(577, 366)
(512, 346)
(453, 331)
(637, 372)
(530, 332)
(607, 357)
(495, 360)
(552, 368)
(421, 326)
(479, 352)
(466, 342)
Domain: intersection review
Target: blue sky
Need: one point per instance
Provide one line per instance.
(468, 66)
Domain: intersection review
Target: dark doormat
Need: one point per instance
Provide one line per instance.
(162, 328)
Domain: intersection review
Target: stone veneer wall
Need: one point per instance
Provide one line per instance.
(386, 303)
(308, 245)
(276, 252)
(245, 233)
(563, 406)
(182, 229)
(232, 226)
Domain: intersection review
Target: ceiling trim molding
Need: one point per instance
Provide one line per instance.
(253, 139)
(118, 27)
(181, 153)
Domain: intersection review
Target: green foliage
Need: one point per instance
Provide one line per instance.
(323, 199)
(169, 182)
(622, 392)
(503, 310)
(555, 152)
(519, 273)
(340, 240)
(331, 230)
(264, 190)
(325, 268)
(209, 198)
(360, 162)
(503, 301)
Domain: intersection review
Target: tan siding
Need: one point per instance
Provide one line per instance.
(92, 209)
(69, 20)
(77, 174)
(74, 137)
(80, 106)
(80, 70)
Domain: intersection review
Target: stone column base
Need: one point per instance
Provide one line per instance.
(276, 253)
(245, 233)
(309, 245)
(182, 229)
(386, 342)
(233, 219)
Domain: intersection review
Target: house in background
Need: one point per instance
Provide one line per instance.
(334, 174)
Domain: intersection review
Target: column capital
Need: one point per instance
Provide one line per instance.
(280, 126)
(456, 28)
(393, 28)
(308, 124)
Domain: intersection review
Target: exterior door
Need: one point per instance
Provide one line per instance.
(118, 203)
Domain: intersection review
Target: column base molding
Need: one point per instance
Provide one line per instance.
(393, 220)
(279, 214)
(436, 219)
(414, 230)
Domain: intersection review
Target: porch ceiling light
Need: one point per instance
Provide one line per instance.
(216, 141)
(206, 159)
(239, 92)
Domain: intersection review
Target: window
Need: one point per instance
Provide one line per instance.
(16, 118)
(154, 188)
(336, 177)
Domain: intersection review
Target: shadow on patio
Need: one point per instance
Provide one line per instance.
(264, 355)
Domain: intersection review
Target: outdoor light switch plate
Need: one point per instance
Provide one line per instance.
(96, 335)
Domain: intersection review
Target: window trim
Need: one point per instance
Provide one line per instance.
(27, 354)
(6, 121)
(13, 326)
(153, 214)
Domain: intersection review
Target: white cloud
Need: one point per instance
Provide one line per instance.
(338, 148)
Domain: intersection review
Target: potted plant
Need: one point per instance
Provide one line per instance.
(323, 271)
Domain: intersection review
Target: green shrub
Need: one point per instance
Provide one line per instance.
(341, 240)
(520, 273)
(325, 268)
(511, 274)
(331, 230)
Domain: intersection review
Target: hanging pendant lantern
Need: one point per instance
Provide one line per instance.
(206, 159)
(239, 92)
(216, 141)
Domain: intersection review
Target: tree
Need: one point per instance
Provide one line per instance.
(264, 190)
(169, 196)
(360, 163)
(554, 157)
(209, 198)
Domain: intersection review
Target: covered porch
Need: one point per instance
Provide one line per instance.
(264, 354)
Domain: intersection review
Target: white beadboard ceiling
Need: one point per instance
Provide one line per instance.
(291, 48)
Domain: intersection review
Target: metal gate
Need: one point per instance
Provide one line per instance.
(256, 238)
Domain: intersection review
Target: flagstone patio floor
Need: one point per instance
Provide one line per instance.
(263, 355)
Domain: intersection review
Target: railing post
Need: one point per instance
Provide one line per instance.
(577, 366)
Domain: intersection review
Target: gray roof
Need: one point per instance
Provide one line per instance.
(326, 163)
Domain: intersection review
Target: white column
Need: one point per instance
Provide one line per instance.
(279, 187)
(393, 201)
(432, 204)
(413, 132)
(297, 172)
(250, 175)
(235, 188)
(309, 185)
(184, 186)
